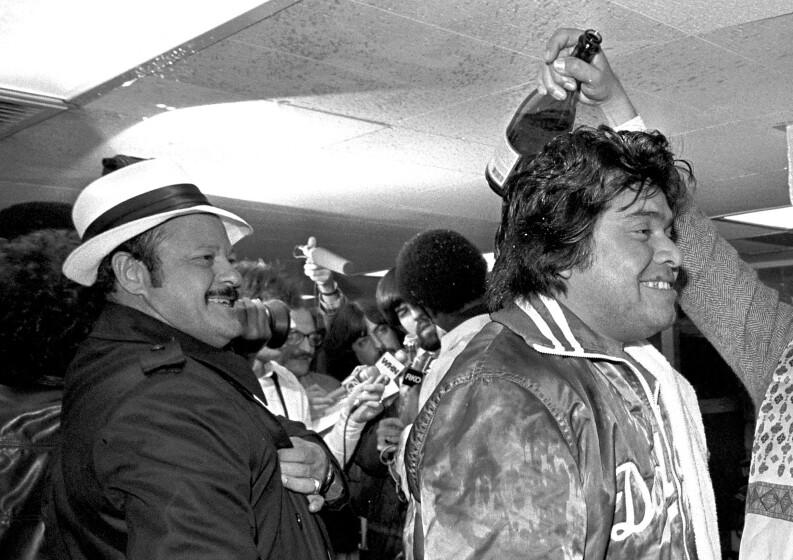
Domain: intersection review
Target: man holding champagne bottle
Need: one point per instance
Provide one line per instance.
(559, 432)
(751, 327)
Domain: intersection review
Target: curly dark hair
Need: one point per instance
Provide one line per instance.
(552, 205)
(440, 270)
(43, 314)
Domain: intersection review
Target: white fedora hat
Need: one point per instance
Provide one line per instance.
(122, 204)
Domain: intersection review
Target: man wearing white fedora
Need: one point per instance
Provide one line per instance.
(168, 450)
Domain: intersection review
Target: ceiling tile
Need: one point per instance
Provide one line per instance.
(375, 43)
(479, 120)
(734, 150)
(740, 194)
(245, 69)
(468, 196)
(766, 41)
(424, 149)
(702, 16)
(525, 26)
(716, 81)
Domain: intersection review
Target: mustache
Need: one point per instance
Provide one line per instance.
(228, 292)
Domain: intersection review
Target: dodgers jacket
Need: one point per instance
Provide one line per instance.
(542, 442)
(166, 454)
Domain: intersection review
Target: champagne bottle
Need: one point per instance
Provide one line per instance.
(538, 119)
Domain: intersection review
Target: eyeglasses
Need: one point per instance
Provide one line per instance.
(296, 337)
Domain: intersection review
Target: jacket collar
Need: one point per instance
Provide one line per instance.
(549, 327)
(124, 324)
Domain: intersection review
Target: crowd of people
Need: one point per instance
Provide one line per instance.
(163, 399)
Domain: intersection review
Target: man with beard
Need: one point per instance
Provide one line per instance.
(168, 449)
(444, 275)
(442, 279)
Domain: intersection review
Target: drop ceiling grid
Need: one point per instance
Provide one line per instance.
(523, 26)
(416, 147)
(766, 41)
(701, 75)
(374, 43)
(703, 16)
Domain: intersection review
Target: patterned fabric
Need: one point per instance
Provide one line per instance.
(752, 329)
(772, 500)
(546, 441)
(772, 459)
(452, 344)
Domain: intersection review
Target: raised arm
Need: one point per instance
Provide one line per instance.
(744, 320)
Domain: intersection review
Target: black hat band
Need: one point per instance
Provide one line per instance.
(157, 201)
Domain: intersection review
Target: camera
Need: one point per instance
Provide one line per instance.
(278, 321)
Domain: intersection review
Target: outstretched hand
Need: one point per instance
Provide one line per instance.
(321, 276)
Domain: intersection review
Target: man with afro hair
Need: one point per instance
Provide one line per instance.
(445, 274)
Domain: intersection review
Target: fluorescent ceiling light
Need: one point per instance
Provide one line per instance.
(777, 218)
(218, 145)
(64, 49)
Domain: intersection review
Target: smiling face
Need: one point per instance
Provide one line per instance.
(198, 283)
(627, 291)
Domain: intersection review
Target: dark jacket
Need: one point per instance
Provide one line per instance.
(374, 495)
(29, 420)
(541, 442)
(166, 454)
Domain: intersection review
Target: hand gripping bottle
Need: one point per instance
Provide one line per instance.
(538, 119)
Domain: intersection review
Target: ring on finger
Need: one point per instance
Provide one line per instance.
(317, 485)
